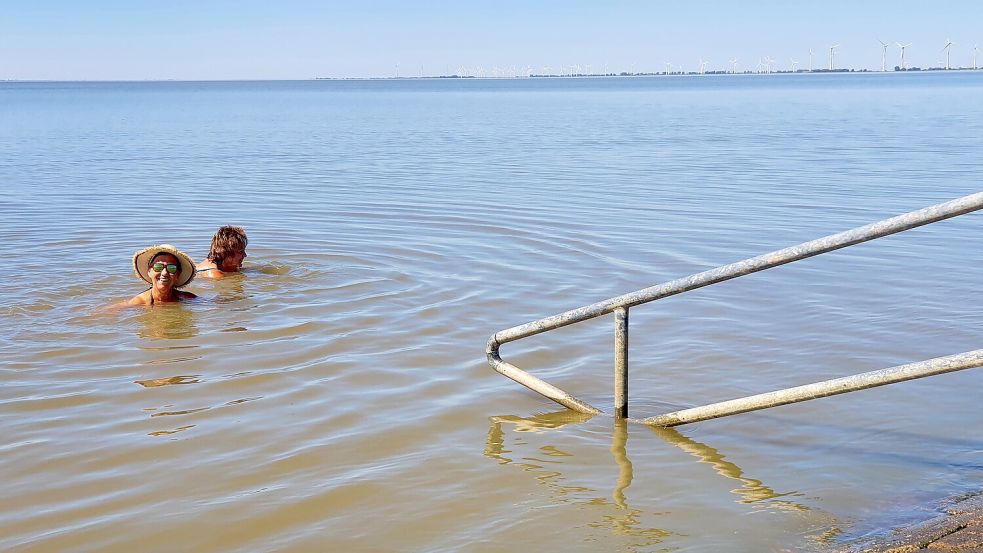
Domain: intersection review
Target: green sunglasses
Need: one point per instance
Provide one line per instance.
(171, 267)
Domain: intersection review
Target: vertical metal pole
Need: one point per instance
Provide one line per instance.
(621, 362)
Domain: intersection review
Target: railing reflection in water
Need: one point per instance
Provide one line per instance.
(751, 491)
(628, 521)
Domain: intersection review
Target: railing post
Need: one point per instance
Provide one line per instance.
(621, 362)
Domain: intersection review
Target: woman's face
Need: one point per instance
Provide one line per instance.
(160, 274)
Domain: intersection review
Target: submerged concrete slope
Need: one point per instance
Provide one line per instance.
(959, 528)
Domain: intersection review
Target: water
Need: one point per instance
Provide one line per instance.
(336, 395)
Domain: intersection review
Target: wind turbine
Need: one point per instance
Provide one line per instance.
(768, 62)
(703, 66)
(810, 59)
(733, 65)
(948, 44)
(794, 63)
(976, 50)
(902, 46)
(883, 56)
(668, 67)
(831, 49)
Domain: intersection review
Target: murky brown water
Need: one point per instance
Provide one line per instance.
(336, 397)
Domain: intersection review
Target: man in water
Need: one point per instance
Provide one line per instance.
(227, 251)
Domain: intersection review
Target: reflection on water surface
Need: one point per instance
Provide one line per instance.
(170, 322)
(547, 465)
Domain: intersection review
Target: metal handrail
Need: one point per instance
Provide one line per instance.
(621, 304)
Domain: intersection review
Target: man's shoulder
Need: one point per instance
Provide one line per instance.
(209, 270)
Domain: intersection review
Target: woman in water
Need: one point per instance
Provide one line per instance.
(227, 251)
(166, 269)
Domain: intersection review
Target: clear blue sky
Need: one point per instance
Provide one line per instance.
(300, 39)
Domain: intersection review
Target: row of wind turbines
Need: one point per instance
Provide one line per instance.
(764, 65)
(947, 49)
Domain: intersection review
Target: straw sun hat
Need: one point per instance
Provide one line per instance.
(141, 262)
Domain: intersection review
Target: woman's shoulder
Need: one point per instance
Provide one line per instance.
(142, 298)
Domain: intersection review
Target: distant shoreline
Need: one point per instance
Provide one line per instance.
(663, 74)
(914, 70)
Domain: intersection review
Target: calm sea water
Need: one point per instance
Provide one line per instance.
(335, 396)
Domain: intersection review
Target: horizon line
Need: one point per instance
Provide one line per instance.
(838, 71)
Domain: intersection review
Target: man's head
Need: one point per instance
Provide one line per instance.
(228, 248)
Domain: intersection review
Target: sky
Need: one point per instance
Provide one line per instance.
(303, 39)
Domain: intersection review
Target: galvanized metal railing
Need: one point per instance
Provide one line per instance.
(620, 305)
